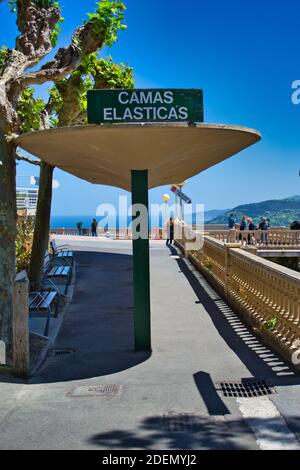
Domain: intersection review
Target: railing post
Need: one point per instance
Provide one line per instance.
(228, 247)
(232, 236)
(21, 327)
(185, 251)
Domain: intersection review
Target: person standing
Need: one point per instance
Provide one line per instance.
(231, 222)
(251, 225)
(243, 226)
(264, 227)
(94, 228)
(170, 231)
(79, 227)
(251, 228)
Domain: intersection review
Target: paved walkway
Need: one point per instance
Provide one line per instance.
(167, 400)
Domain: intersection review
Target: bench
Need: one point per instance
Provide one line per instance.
(64, 252)
(42, 301)
(63, 272)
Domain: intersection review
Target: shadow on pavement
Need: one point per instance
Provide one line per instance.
(97, 336)
(180, 432)
(259, 359)
(214, 404)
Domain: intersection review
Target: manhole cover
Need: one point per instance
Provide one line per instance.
(95, 391)
(245, 388)
(190, 422)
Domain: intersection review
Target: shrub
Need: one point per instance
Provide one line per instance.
(25, 228)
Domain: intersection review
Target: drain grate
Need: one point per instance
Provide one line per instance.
(246, 388)
(95, 391)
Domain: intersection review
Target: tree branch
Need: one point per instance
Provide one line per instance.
(36, 26)
(27, 159)
(86, 40)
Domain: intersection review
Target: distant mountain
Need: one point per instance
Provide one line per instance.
(212, 214)
(292, 198)
(281, 212)
(208, 215)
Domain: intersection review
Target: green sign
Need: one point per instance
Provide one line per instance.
(147, 105)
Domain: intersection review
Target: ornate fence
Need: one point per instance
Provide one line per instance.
(267, 295)
(116, 234)
(271, 238)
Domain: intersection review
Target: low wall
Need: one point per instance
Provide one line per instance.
(265, 294)
(274, 237)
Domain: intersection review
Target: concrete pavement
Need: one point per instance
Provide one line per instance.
(94, 392)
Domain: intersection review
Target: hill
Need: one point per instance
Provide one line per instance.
(212, 214)
(281, 212)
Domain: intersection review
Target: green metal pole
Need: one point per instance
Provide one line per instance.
(141, 267)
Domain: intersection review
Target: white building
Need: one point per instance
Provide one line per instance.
(27, 195)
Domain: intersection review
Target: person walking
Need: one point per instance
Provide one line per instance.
(170, 231)
(94, 228)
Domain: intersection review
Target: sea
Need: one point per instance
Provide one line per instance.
(71, 221)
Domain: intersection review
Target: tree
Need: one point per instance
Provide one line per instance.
(38, 23)
(67, 106)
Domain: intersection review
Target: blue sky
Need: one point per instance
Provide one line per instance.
(245, 56)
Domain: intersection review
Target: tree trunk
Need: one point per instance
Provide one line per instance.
(42, 225)
(7, 236)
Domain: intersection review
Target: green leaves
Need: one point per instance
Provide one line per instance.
(271, 324)
(3, 57)
(56, 31)
(56, 99)
(106, 73)
(24, 240)
(111, 74)
(29, 111)
(68, 97)
(107, 20)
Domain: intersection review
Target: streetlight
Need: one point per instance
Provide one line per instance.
(179, 186)
(166, 198)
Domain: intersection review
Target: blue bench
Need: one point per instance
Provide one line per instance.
(41, 302)
(60, 272)
(63, 253)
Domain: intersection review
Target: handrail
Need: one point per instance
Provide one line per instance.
(271, 237)
(122, 233)
(274, 269)
(266, 294)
